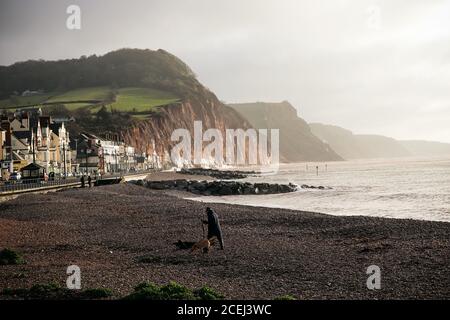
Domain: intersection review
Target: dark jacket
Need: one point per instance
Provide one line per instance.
(214, 229)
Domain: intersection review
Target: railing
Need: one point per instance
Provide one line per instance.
(26, 184)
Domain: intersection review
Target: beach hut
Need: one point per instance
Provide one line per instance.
(33, 171)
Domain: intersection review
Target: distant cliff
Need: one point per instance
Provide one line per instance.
(297, 143)
(354, 146)
(426, 148)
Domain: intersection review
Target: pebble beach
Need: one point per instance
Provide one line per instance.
(122, 235)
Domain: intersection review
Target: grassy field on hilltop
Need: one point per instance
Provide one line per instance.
(131, 99)
(15, 101)
(83, 94)
(141, 99)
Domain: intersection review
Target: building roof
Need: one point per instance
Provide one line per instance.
(20, 135)
(17, 156)
(32, 166)
(86, 135)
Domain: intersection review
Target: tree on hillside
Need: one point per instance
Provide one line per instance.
(124, 68)
(58, 110)
(103, 114)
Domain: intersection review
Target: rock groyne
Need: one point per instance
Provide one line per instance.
(218, 188)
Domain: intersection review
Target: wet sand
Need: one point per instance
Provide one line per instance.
(268, 252)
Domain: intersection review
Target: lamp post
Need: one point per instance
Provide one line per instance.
(115, 157)
(11, 159)
(64, 158)
(34, 153)
(77, 167)
(86, 158)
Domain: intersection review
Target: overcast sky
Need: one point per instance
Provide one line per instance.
(379, 67)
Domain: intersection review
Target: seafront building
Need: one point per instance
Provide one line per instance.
(2, 151)
(106, 156)
(2, 144)
(35, 138)
(28, 137)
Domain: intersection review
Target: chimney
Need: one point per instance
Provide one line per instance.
(25, 120)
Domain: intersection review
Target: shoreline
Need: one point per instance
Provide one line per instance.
(269, 252)
(193, 197)
(172, 176)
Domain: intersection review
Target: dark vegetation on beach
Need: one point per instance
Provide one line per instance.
(143, 291)
(172, 291)
(53, 291)
(122, 235)
(8, 257)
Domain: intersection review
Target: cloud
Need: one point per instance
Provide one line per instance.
(372, 66)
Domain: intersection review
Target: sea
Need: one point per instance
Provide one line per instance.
(405, 188)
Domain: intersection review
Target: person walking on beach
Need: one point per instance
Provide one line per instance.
(89, 181)
(214, 229)
(82, 181)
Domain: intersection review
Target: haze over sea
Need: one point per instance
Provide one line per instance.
(407, 188)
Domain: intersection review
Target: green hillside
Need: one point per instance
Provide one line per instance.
(92, 93)
(15, 101)
(118, 69)
(107, 93)
(131, 100)
(141, 99)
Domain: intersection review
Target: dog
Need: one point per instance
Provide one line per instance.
(204, 245)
